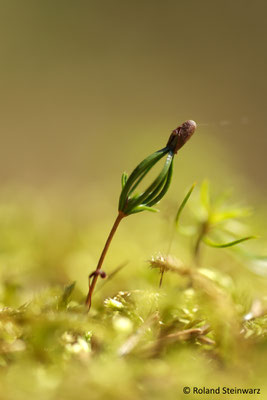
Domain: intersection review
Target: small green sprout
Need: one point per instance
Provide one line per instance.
(218, 223)
(131, 202)
(214, 222)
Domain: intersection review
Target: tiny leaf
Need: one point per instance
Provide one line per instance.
(229, 244)
(124, 178)
(143, 208)
(182, 205)
(220, 216)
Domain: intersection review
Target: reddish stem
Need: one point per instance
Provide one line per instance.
(102, 257)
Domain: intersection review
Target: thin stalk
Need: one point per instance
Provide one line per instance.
(161, 278)
(203, 230)
(101, 259)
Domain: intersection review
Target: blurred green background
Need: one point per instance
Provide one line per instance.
(89, 89)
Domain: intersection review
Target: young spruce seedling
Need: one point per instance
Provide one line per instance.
(132, 203)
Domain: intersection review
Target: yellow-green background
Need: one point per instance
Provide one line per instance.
(90, 88)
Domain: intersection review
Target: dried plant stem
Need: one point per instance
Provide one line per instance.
(88, 302)
(161, 278)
